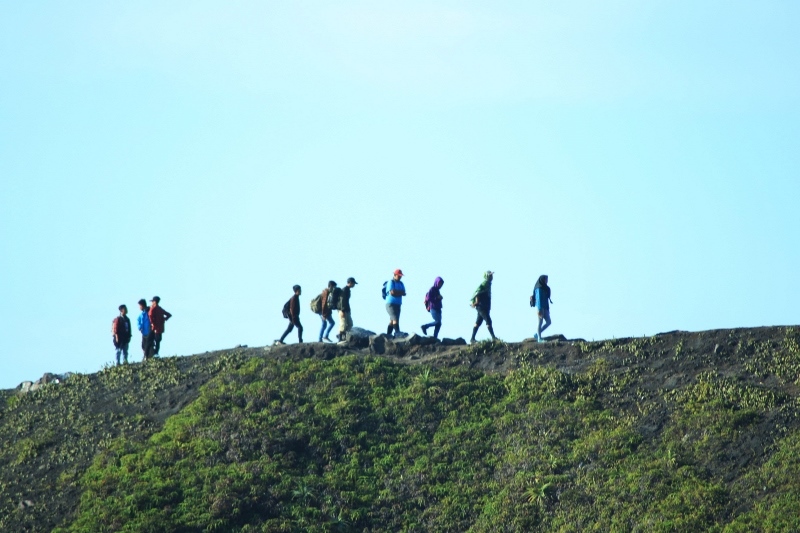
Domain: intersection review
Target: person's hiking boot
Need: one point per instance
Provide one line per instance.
(327, 339)
(536, 337)
(279, 342)
(472, 340)
(424, 330)
(541, 339)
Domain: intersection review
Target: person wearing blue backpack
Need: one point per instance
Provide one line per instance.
(433, 303)
(541, 300)
(393, 292)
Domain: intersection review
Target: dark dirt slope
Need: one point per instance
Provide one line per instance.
(51, 436)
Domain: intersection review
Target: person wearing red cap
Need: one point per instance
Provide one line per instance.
(395, 290)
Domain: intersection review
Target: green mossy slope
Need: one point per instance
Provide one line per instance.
(678, 432)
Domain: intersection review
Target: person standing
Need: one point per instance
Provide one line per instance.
(291, 310)
(433, 303)
(541, 299)
(395, 290)
(121, 329)
(143, 323)
(158, 316)
(327, 312)
(345, 318)
(482, 302)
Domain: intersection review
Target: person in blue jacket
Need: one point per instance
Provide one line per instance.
(541, 299)
(143, 321)
(395, 290)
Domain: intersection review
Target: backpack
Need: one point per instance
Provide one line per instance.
(335, 298)
(384, 290)
(286, 307)
(316, 304)
(428, 301)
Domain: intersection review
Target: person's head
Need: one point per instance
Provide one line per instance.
(543, 279)
(142, 304)
(438, 282)
(351, 282)
(154, 301)
(398, 274)
(296, 289)
(123, 310)
(488, 275)
(331, 285)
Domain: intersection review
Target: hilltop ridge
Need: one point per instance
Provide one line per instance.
(698, 421)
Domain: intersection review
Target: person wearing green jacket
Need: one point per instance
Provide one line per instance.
(482, 302)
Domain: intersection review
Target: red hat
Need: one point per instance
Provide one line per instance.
(398, 272)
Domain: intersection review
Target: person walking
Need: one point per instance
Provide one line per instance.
(345, 318)
(327, 312)
(433, 303)
(291, 310)
(541, 299)
(394, 291)
(121, 329)
(143, 323)
(482, 302)
(158, 316)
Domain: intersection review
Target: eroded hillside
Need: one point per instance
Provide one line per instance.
(676, 432)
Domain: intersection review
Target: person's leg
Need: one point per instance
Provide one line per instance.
(117, 351)
(478, 322)
(397, 320)
(299, 331)
(331, 323)
(488, 318)
(157, 344)
(322, 329)
(390, 310)
(546, 316)
(437, 321)
(144, 347)
(151, 341)
(342, 325)
(125, 352)
(288, 330)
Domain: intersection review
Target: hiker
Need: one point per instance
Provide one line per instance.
(121, 329)
(394, 290)
(291, 310)
(345, 319)
(326, 313)
(433, 303)
(143, 322)
(541, 299)
(482, 302)
(158, 316)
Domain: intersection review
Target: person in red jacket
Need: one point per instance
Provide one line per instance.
(158, 316)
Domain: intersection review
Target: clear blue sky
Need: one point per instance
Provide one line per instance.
(644, 155)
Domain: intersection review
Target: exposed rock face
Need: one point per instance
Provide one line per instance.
(46, 379)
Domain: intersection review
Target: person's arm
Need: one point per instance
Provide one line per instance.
(166, 315)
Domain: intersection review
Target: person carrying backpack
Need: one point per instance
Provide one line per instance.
(291, 310)
(482, 302)
(394, 290)
(328, 305)
(121, 330)
(433, 303)
(143, 323)
(345, 319)
(541, 299)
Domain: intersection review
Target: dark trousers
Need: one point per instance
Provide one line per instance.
(147, 347)
(154, 340)
(292, 324)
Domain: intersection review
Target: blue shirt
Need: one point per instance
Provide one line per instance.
(542, 304)
(395, 285)
(144, 323)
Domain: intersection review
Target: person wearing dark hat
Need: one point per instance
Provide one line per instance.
(345, 319)
(121, 329)
(395, 290)
(292, 311)
(143, 322)
(482, 302)
(158, 316)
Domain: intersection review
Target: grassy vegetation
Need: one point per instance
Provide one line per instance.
(680, 433)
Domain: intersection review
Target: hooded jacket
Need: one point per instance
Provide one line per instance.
(483, 294)
(434, 296)
(541, 293)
